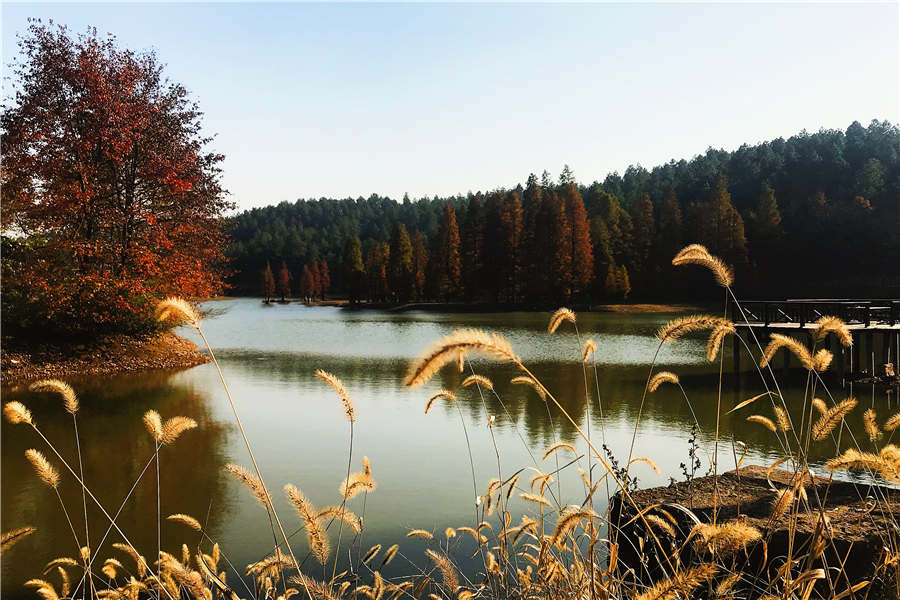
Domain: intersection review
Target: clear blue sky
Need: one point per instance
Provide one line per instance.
(339, 100)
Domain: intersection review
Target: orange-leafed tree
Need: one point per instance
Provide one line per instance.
(284, 282)
(110, 198)
(326, 278)
(582, 253)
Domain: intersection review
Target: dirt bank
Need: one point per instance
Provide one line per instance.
(108, 355)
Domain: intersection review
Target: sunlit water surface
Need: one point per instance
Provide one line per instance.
(421, 462)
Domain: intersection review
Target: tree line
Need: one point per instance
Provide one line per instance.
(816, 214)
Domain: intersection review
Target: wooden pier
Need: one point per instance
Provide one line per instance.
(873, 324)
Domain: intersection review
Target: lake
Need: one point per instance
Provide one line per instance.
(420, 462)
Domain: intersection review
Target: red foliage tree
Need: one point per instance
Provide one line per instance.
(326, 278)
(110, 200)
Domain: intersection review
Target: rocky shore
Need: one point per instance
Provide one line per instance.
(106, 356)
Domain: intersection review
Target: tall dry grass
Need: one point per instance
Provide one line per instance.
(561, 548)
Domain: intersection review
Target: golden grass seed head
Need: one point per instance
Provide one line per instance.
(65, 391)
(832, 418)
(448, 349)
(43, 468)
(676, 328)
(530, 382)
(13, 537)
(153, 424)
(15, 413)
(782, 419)
(590, 347)
(558, 446)
(828, 324)
(661, 378)
(893, 422)
(870, 425)
(251, 481)
(179, 310)
(764, 421)
(174, 427)
(338, 386)
(556, 319)
(478, 380)
(714, 343)
(441, 395)
(186, 520)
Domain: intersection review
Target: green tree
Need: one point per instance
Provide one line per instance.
(400, 270)
(377, 272)
(420, 265)
(644, 232)
(354, 271)
(445, 260)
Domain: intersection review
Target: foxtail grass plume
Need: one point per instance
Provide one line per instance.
(15, 413)
(854, 459)
(676, 328)
(715, 339)
(420, 533)
(252, 482)
(820, 406)
(341, 514)
(338, 386)
(698, 255)
(153, 423)
(530, 382)
(725, 538)
(179, 310)
(764, 421)
(441, 395)
(11, 538)
(557, 319)
(69, 398)
(553, 449)
(43, 468)
(389, 554)
(818, 362)
(186, 520)
(174, 427)
(318, 541)
(42, 588)
(660, 524)
(111, 567)
(647, 461)
(661, 378)
(590, 346)
(782, 419)
(832, 418)
(449, 348)
(828, 324)
(870, 425)
(371, 553)
(479, 380)
(893, 422)
(358, 483)
(448, 573)
(680, 585)
(532, 498)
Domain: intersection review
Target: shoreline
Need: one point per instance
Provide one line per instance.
(114, 354)
(479, 307)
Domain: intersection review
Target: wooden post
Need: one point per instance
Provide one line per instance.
(736, 353)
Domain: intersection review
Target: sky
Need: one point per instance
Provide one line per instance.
(345, 100)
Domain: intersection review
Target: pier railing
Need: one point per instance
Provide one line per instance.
(803, 312)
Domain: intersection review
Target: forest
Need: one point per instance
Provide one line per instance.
(817, 214)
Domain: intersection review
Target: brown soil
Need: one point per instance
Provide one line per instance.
(108, 355)
(857, 537)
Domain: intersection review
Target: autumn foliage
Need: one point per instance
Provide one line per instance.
(110, 199)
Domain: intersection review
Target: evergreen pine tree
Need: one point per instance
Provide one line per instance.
(400, 269)
(354, 271)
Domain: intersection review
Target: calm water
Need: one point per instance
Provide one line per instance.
(300, 436)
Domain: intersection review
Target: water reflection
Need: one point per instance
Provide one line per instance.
(421, 462)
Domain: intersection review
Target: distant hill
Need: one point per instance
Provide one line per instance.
(812, 215)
